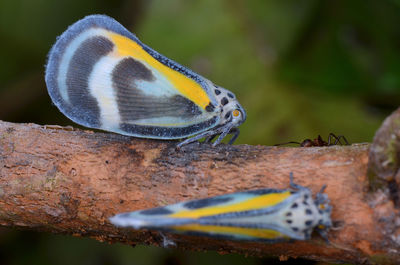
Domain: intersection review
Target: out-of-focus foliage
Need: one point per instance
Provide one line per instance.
(45, 249)
(300, 68)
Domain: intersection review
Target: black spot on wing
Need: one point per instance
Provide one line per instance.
(224, 101)
(263, 191)
(231, 95)
(207, 202)
(156, 211)
(217, 92)
(308, 222)
(133, 104)
(189, 108)
(131, 69)
(210, 107)
(167, 132)
(80, 67)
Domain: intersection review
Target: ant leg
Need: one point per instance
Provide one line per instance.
(337, 139)
(331, 135)
(344, 139)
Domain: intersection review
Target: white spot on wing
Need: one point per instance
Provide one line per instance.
(159, 87)
(101, 88)
(69, 53)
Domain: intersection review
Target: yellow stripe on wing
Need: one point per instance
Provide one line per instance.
(229, 230)
(262, 201)
(186, 86)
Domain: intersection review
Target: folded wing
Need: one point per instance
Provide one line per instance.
(101, 76)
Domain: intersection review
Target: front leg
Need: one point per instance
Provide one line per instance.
(211, 134)
(224, 132)
(210, 138)
(235, 132)
(195, 138)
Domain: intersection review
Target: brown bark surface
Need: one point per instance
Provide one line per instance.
(72, 181)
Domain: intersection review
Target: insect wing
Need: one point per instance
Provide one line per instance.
(241, 216)
(101, 76)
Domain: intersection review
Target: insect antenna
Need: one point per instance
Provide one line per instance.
(294, 185)
(292, 142)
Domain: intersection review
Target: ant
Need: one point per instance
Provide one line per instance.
(320, 142)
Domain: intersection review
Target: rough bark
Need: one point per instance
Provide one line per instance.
(72, 181)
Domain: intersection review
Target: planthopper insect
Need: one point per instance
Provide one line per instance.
(332, 140)
(102, 76)
(267, 215)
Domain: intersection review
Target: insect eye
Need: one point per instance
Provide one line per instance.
(235, 113)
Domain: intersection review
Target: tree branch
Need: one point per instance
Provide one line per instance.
(72, 181)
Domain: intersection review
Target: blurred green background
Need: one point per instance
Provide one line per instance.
(299, 68)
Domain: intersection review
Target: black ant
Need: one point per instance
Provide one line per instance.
(320, 142)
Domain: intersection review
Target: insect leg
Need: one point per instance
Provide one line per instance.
(324, 235)
(332, 135)
(341, 137)
(210, 138)
(337, 139)
(166, 243)
(197, 137)
(235, 132)
(344, 139)
(225, 130)
(211, 134)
